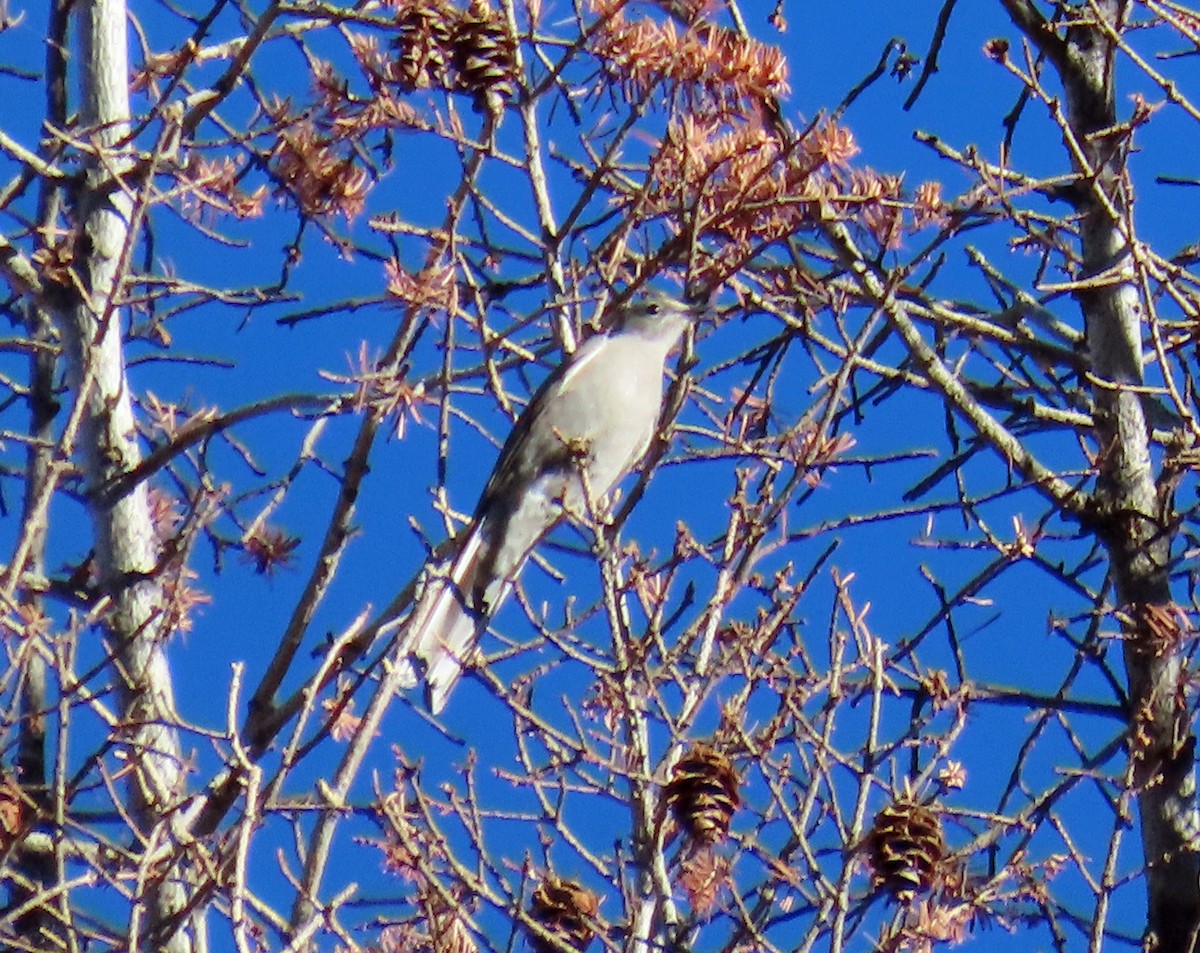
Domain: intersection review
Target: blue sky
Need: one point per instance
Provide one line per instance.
(1006, 636)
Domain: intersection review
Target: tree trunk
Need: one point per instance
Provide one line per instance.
(1136, 534)
(126, 544)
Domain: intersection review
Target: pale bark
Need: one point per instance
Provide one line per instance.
(126, 545)
(38, 868)
(1128, 517)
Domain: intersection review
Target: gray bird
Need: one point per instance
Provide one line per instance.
(585, 428)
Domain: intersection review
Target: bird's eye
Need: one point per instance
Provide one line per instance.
(653, 307)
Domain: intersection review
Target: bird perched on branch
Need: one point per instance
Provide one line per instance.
(586, 427)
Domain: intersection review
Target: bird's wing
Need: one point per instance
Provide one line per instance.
(513, 513)
(517, 467)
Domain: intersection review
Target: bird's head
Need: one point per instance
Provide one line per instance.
(659, 316)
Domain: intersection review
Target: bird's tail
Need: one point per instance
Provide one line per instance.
(445, 622)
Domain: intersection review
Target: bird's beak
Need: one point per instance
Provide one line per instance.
(699, 303)
(700, 311)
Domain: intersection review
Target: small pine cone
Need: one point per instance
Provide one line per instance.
(566, 909)
(905, 846)
(15, 813)
(484, 55)
(424, 33)
(703, 794)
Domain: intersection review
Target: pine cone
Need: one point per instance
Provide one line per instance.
(703, 794)
(485, 56)
(15, 813)
(905, 846)
(424, 33)
(566, 909)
